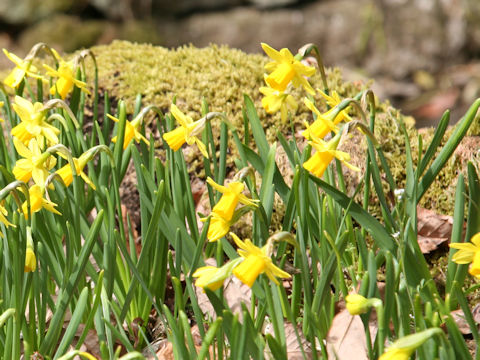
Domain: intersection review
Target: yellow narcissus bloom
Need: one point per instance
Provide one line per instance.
(66, 74)
(37, 202)
(34, 164)
(205, 275)
(218, 227)
(22, 69)
(66, 173)
(188, 132)
(231, 196)
(285, 68)
(30, 260)
(33, 123)
(131, 131)
(333, 100)
(3, 217)
(256, 262)
(325, 153)
(211, 277)
(404, 347)
(358, 304)
(469, 253)
(324, 123)
(275, 100)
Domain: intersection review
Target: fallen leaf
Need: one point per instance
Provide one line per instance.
(346, 338)
(476, 313)
(433, 229)
(294, 347)
(459, 318)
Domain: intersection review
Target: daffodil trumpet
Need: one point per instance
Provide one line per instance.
(33, 123)
(22, 68)
(211, 277)
(30, 258)
(325, 153)
(286, 69)
(66, 74)
(404, 347)
(256, 261)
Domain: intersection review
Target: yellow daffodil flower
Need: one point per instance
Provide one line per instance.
(188, 132)
(3, 217)
(211, 277)
(66, 74)
(231, 196)
(324, 124)
(404, 347)
(358, 304)
(469, 253)
(285, 68)
(256, 262)
(205, 275)
(37, 202)
(30, 260)
(22, 69)
(275, 100)
(33, 123)
(218, 227)
(1, 106)
(333, 100)
(34, 164)
(66, 172)
(131, 131)
(325, 153)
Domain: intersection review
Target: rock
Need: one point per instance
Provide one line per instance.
(29, 11)
(68, 33)
(65, 32)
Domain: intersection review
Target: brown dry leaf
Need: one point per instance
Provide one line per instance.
(459, 318)
(433, 229)
(236, 293)
(476, 313)
(165, 352)
(346, 338)
(294, 349)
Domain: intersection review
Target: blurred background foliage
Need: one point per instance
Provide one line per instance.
(422, 53)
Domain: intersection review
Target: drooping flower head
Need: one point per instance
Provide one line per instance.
(256, 261)
(324, 123)
(469, 253)
(23, 68)
(218, 227)
(404, 347)
(212, 277)
(35, 163)
(3, 217)
(275, 100)
(38, 202)
(231, 196)
(33, 123)
(66, 74)
(325, 153)
(188, 132)
(30, 260)
(358, 304)
(66, 171)
(285, 68)
(132, 131)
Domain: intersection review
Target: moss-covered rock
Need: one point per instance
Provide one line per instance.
(222, 76)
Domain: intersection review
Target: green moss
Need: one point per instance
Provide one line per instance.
(222, 76)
